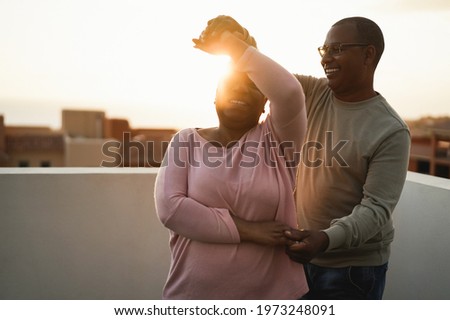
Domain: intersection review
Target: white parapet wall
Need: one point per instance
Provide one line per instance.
(420, 256)
(92, 233)
(80, 233)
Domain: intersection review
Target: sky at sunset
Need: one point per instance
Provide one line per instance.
(135, 59)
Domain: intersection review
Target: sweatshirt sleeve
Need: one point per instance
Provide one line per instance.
(382, 190)
(180, 213)
(282, 89)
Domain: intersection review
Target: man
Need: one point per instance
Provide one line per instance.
(353, 169)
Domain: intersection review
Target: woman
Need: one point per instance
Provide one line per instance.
(226, 193)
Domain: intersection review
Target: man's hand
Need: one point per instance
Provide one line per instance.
(304, 245)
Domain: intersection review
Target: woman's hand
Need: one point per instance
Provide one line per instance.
(216, 43)
(222, 23)
(217, 37)
(271, 233)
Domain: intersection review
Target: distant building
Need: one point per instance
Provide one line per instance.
(430, 154)
(87, 139)
(129, 147)
(115, 128)
(83, 124)
(84, 152)
(3, 154)
(33, 147)
(430, 146)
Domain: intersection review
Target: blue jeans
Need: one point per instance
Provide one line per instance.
(349, 283)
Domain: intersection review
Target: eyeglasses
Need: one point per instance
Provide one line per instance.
(337, 48)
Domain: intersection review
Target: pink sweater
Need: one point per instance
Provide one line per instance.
(199, 184)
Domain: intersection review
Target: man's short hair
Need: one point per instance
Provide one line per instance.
(368, 32)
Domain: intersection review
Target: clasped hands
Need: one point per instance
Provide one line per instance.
(304, 245)
(301, 245)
